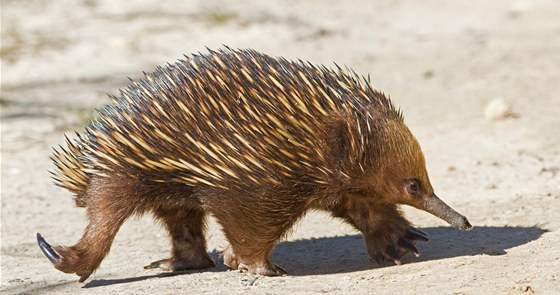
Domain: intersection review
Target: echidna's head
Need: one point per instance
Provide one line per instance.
(401, 176)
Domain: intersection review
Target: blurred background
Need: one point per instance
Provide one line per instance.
(478, 82)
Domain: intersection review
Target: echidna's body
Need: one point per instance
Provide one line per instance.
(256, 141)
(214, 120)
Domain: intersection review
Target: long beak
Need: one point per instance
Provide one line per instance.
(438, 208)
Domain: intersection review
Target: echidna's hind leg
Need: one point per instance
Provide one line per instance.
(107, 209)
(253, 232)
(186, 227)
(251, 255)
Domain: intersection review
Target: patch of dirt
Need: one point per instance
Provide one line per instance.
(442, 62)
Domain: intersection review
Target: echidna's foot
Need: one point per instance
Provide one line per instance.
(69, 259)
(175, 264)
(394, 247)
(264, 267)
(230, 259)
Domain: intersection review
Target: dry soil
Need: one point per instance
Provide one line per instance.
(442, 62)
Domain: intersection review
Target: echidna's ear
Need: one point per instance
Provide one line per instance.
(437, 207)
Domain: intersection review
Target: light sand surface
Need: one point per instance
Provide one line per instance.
(441, 61)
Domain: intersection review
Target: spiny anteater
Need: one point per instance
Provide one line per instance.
(254, 140)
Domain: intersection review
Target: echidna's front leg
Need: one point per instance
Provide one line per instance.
(186, 228)
(388, 235)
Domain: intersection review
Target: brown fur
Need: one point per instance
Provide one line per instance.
(255, 141)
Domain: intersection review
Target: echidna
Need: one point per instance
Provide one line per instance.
(256, 141)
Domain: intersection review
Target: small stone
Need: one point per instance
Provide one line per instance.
(491, 186)
(428, 74)
(517, 8)
(497, 109)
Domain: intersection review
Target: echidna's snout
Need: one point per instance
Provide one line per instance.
(438, 208)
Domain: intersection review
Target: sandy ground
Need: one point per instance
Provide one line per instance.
(442, 62)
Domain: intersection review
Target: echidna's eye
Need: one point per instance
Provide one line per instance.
(413, 187)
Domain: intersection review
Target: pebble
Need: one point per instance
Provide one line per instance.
(517, 8)
(497, 109)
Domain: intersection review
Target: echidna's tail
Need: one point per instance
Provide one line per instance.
(70, 170)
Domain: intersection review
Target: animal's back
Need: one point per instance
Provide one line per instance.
(217, 119)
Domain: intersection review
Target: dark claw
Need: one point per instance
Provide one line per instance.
(392, 252)
(417, 234)
(84, 276)
(408, 245)
(420, 231)
(379, 258)
(280, 270)
(153, 265)
(47, 249)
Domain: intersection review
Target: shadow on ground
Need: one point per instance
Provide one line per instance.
(348, 253)
(102, 282)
